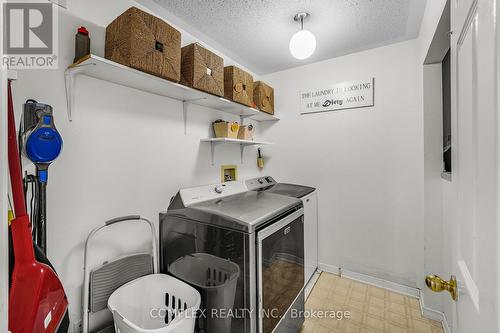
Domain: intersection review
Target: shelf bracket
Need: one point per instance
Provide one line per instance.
(185, 105)
(212, 151)
(69, 82)
(242, 150)
(243, 117)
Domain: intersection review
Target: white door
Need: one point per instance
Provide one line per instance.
(475, 122)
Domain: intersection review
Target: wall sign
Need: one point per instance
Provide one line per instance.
(346, 95)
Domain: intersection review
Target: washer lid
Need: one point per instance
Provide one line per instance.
(244, 211)
(290, 190)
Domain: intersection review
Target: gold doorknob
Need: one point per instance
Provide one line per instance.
(437, 284)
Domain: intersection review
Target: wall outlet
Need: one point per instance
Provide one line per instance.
(228, 173)
(77, 326)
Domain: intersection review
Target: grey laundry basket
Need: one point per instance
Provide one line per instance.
(216, 279)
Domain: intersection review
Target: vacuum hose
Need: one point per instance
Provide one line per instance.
(42, 218)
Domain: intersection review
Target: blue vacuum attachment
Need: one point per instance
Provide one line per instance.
(41, 143)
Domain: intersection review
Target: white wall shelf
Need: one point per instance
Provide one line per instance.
(243, 143)
(107, 70)
(262, 116)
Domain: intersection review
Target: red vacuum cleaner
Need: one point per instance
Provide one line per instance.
(37, 301)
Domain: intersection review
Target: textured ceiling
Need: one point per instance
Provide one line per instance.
(256, 33)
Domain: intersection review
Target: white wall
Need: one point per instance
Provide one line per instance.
(430, 21)
(124, 153)
(367, 163)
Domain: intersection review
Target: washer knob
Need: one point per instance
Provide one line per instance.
(218, 189)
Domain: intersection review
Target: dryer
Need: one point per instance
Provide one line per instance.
(309, 198)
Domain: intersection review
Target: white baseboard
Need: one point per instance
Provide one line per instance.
(329, 268)
(381, 283)
(434, 314)
(437, 316)
(377, 282)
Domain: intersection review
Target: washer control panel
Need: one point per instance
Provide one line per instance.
(260, 182)
(197, 194)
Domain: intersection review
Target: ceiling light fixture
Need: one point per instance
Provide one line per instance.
(303, 42)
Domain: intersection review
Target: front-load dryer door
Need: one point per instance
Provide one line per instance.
(280, 267)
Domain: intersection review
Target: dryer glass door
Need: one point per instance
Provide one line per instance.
(281, 272)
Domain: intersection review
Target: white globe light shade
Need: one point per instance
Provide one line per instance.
(302, 44)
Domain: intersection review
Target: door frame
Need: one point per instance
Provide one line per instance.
(437, 184)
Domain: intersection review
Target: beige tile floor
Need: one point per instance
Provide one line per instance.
(372, 309)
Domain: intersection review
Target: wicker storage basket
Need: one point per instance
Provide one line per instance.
(263, 97)
(144, 42)
(202, 69)
(246, 132)
(238, 85)
(224, 129)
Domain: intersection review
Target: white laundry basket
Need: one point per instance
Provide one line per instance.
(156, 303)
